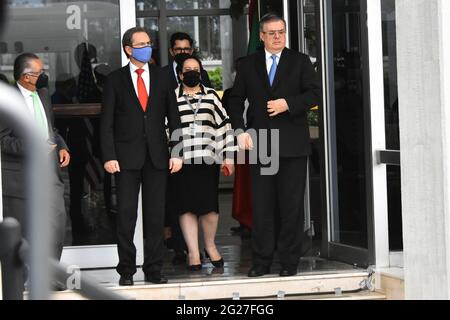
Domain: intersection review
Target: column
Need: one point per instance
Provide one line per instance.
(423, 46)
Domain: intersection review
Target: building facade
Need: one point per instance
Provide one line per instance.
(357, 189)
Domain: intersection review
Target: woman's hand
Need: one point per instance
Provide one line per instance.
(175, 165)
(227, 167)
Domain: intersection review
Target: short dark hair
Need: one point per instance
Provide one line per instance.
(270, 17)
(179, 36)
(188, 57)
(21, 63)
(127, 39)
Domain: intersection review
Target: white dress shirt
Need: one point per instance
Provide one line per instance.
(145, 77)
(175, 71)
(269, 60)
(29, 102)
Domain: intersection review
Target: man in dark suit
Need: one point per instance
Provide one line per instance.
(182, 45)
(32, 83)
(281, 86)
(136, 100)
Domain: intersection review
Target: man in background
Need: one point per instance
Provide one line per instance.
(32, 83)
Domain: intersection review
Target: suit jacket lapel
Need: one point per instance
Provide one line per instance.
(151, 90)
(282, 68)
(173, 77)
(261, 68)
(45, 105)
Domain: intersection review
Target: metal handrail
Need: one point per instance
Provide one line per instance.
(13, 111)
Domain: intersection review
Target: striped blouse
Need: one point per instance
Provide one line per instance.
(206, 128)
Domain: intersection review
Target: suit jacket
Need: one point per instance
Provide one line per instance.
(295, 80)
(173, 78)
(14, 151)
(127, 133)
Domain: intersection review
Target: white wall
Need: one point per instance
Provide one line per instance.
(424, 104)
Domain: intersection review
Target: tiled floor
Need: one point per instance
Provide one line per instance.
(236, 253)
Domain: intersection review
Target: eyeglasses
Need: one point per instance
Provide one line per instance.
(35, 73)
(275, 32)
(182, 50)
(142, 45)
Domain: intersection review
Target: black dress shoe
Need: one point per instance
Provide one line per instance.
(126, 281)
(217, 263)
(156, 278)
(288, 272)
(258, 271)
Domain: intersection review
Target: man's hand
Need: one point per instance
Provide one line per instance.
(64, 158)
(276, 107)
(175, 165)
(228, 167)
(245, 141)
(112, 166)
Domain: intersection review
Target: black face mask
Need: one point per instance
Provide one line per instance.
(191, 78)
(179, 58)
(42, 81)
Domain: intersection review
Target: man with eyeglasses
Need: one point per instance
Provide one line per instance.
(281, 86)
(32, 83)
(181, 46)
(136, 101)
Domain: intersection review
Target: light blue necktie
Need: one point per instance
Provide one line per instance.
(273, 69)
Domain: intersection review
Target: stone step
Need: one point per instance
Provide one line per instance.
(261, 288)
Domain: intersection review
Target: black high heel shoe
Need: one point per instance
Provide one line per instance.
(195, 267)
(217, 264)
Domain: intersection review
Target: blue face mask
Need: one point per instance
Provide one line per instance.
(142, 54)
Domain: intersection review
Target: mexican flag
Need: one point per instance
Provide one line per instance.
(254, 15)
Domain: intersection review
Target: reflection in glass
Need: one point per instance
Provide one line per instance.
(142, 5)
(197, 4)
(79, 43)
(151, 25)
(213, 42)
(351, 223)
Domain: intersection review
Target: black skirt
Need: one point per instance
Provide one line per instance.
(195, 189)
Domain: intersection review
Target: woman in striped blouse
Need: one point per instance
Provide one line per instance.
(208, 146)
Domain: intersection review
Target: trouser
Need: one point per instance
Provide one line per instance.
(154, 182)
(278, 200)
(15, 207)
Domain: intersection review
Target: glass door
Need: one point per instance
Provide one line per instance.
(346, 127)
(92, 203)
(79, 42)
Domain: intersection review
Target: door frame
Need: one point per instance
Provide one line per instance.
(106, 256)
(330, 249)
